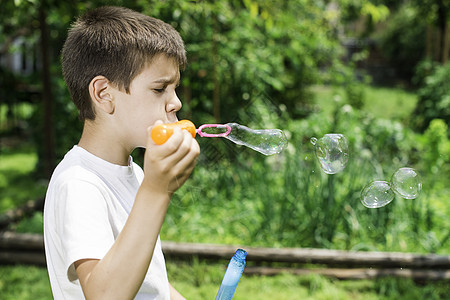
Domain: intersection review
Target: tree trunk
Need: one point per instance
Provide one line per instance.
(215, 73)
(49, 147)
(445, 44)
(443, 34)
(429, 42)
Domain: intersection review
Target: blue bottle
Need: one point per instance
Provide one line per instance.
(232, 275)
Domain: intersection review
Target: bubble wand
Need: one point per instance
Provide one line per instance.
(265, 141)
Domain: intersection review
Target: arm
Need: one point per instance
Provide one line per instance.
(121, 272)
(174, 294)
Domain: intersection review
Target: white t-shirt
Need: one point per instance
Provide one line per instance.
(87, 204)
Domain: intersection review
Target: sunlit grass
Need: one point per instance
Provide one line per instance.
(17, 184)
(24, 282)
(201, 280)
(381, 102)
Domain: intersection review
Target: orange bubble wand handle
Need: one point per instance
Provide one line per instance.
(161, 133)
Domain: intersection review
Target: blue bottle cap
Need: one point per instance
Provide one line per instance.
(240, 254)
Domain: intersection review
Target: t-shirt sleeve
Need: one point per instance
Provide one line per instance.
(84, 225)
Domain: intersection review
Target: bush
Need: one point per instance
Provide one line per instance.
(286, 200)
(434, 97)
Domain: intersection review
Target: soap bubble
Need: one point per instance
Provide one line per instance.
(332, 152)
(406, 183)
(265, 141)
(377, 194)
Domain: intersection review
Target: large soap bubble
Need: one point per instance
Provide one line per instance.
(265, 141)
(406, 183)
(377, 194)
(332, 152)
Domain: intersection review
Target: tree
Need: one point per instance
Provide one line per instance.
(437, 15)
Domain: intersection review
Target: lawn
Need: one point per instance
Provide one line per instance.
(201, 280)
(381, 102)
(17, 183)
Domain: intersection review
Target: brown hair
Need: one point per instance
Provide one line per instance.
(117, 43)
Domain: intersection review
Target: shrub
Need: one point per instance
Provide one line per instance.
(434, 98)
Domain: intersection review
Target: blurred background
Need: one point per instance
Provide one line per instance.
(376, 71)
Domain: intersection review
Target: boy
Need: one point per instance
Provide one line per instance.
(103, 213)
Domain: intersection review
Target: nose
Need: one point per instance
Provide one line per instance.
(174, 104)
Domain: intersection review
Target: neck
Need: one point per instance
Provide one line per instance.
(104, 144)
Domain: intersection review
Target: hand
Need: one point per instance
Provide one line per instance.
(168, 166)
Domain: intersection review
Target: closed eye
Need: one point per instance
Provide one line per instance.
(160, 91)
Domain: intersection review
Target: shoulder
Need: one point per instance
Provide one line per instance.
(75, 175)
(73, 182)
(74, 168)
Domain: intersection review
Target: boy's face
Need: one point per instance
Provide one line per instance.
(152, 97)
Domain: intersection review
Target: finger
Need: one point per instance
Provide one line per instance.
(186, 166)
(189, 158)
(171, 145)
(178, 148)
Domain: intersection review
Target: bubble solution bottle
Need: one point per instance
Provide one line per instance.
(232, 275)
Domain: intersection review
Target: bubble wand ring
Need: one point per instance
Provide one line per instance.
(204, 134)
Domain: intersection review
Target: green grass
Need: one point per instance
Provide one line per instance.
(381, 102)
(201, 280)
(17, 184)
(24, 282)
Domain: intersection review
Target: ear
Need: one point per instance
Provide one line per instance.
(99, 90)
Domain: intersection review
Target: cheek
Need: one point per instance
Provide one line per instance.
(147, 116)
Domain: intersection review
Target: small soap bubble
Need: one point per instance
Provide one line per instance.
(332, 152)
(406, 183)
(265, 141)
(377, 194)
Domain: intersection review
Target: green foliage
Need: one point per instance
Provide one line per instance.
(355, 94)
(238, 51)
(237, 195)
(286, 200)
(34, 224)
(434, 98)
(24, 282)
(402, 42)
(436, 146)
(373, 10)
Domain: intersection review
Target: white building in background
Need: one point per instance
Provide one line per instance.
(21, 57)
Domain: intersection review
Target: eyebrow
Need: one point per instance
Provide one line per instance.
(168, 80)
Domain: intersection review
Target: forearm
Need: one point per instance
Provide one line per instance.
(121, 272)
(174, 294)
